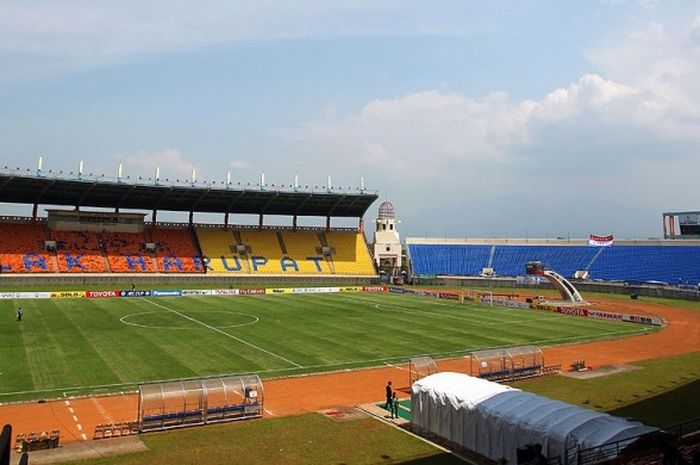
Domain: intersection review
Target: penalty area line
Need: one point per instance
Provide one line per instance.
(224, 333)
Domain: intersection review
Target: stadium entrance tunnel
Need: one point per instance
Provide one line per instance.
(169, 405)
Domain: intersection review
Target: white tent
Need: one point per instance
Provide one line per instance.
(495, 420)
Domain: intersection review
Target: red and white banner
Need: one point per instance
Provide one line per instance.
(601, 241)
(101, 294)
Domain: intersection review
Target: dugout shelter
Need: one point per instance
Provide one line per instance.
(178, 404)
(507, 363)
(419, 368)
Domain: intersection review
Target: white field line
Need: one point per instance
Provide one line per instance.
(395, 366)
(123, 319)
(78, 426)
(446, 354)
(224, 333)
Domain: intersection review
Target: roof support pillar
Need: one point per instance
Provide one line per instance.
(191, 218)
(362, 225)
(328, 223)
(260, 221)
(155, 217)
(226, 221)
(35, 211)
(294, 223)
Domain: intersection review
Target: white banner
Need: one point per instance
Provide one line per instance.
(196, 292)
(600, 241)
(32, 295)
(224, 292)
(314, 290)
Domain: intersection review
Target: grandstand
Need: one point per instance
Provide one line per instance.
(673, 262)
(80, 242)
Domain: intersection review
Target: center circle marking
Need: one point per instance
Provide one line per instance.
(253, 320)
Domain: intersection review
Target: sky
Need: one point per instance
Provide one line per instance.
(476, 119)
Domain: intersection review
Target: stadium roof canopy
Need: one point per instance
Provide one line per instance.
(197, 197)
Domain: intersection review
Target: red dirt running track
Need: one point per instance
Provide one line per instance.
(76, 418)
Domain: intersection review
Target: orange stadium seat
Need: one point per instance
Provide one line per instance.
(22, 249)
(176, 251)
(79, 252)
(126, 253)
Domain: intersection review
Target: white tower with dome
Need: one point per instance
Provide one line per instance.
(387, 243)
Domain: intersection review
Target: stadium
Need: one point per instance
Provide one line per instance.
(302, 232)
(128, 327)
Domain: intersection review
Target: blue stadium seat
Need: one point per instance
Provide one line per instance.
(670, 264)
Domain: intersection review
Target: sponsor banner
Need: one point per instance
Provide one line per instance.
(196, 292)
(134, 293)
(314, 290)
(600, 241)
(397, 290)
(7, 295)
(351, 289)
(448, 296)
(32, 295)
(576, 311)
(278, 290)
(374, 289)
(506, 303)
(604, 315)
(67, 294)
(539, 306)
(167, 293)
(101, 294)
(251, 291)
(224, 292)
(645, 320)
(431, 294)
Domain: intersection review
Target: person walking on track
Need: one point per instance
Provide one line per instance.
(20, 314)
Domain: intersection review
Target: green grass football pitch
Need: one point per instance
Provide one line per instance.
(81, 346)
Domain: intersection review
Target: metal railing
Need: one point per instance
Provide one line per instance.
(167, 182)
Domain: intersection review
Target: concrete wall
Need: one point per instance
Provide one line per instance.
(606, 288)
(105, 281)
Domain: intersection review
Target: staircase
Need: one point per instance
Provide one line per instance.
(324, 245)
(244, 256)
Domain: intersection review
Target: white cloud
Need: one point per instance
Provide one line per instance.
(610, 150)
(48, 36)
(423, 133)
(663, 62)
(241, 165)
(143, 164)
